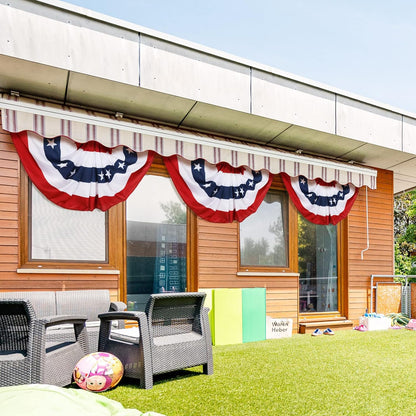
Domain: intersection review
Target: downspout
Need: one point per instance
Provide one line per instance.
(366, 217)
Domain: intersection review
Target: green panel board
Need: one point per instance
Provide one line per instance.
(227, 308)
(254, 314)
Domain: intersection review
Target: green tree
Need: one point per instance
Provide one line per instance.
(405, 233)
(306, 245)
(278, 250)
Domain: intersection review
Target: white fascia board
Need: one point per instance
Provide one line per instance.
(224, 55)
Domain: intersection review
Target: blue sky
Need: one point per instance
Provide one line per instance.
(366, 47)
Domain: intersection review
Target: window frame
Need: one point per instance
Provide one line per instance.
(340, 273)
(292, 241)
(342, 270)
(112, 220)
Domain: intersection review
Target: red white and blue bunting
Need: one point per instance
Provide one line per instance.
(218, 193)
(81, 176)
(89, 175)
(318, 201)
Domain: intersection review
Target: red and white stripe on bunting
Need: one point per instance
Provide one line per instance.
(218, 193)
(318, 201)
(81, 176)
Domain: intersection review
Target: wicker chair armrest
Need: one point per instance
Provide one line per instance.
(117, 315)
(48, 321)
(105, 327)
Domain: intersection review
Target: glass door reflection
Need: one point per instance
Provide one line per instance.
(156, 241)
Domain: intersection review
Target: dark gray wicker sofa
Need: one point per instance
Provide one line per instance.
(89, 303)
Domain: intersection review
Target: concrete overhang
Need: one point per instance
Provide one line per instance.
(73, 56)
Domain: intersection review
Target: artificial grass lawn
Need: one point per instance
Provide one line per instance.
(350, 373)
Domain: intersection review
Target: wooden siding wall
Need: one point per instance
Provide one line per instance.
(9, 204)
(217, 254)
(10, 280)
(379, 258)
(218, 266)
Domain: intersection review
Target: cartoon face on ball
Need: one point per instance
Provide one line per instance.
(98, 383)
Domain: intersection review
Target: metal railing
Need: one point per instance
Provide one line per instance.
(405, 292)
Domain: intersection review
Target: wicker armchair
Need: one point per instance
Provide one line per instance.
(174, 334)
(26, 357)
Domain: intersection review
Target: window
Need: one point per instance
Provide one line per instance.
(264, 234)
(156, 240)
(51, 237)
(59, 234)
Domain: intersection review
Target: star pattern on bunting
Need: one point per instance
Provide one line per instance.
(197, 167)
(318, 201)
(221, 192)
(51, 143)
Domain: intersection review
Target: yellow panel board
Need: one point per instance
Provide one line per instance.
(228, 318)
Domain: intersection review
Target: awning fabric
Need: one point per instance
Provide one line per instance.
(50, 120)
(84, 161)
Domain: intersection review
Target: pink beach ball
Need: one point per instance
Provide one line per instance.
(98, 371)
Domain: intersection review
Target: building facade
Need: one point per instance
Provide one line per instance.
(135, 91)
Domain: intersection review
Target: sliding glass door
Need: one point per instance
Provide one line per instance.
(318, 267)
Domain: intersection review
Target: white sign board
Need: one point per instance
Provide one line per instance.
(278, 327)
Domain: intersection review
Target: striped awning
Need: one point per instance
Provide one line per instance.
(52, 120)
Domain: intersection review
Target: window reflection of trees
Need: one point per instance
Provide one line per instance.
(264, 234)
(174, 211)
(306, 247)
(256, 251)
